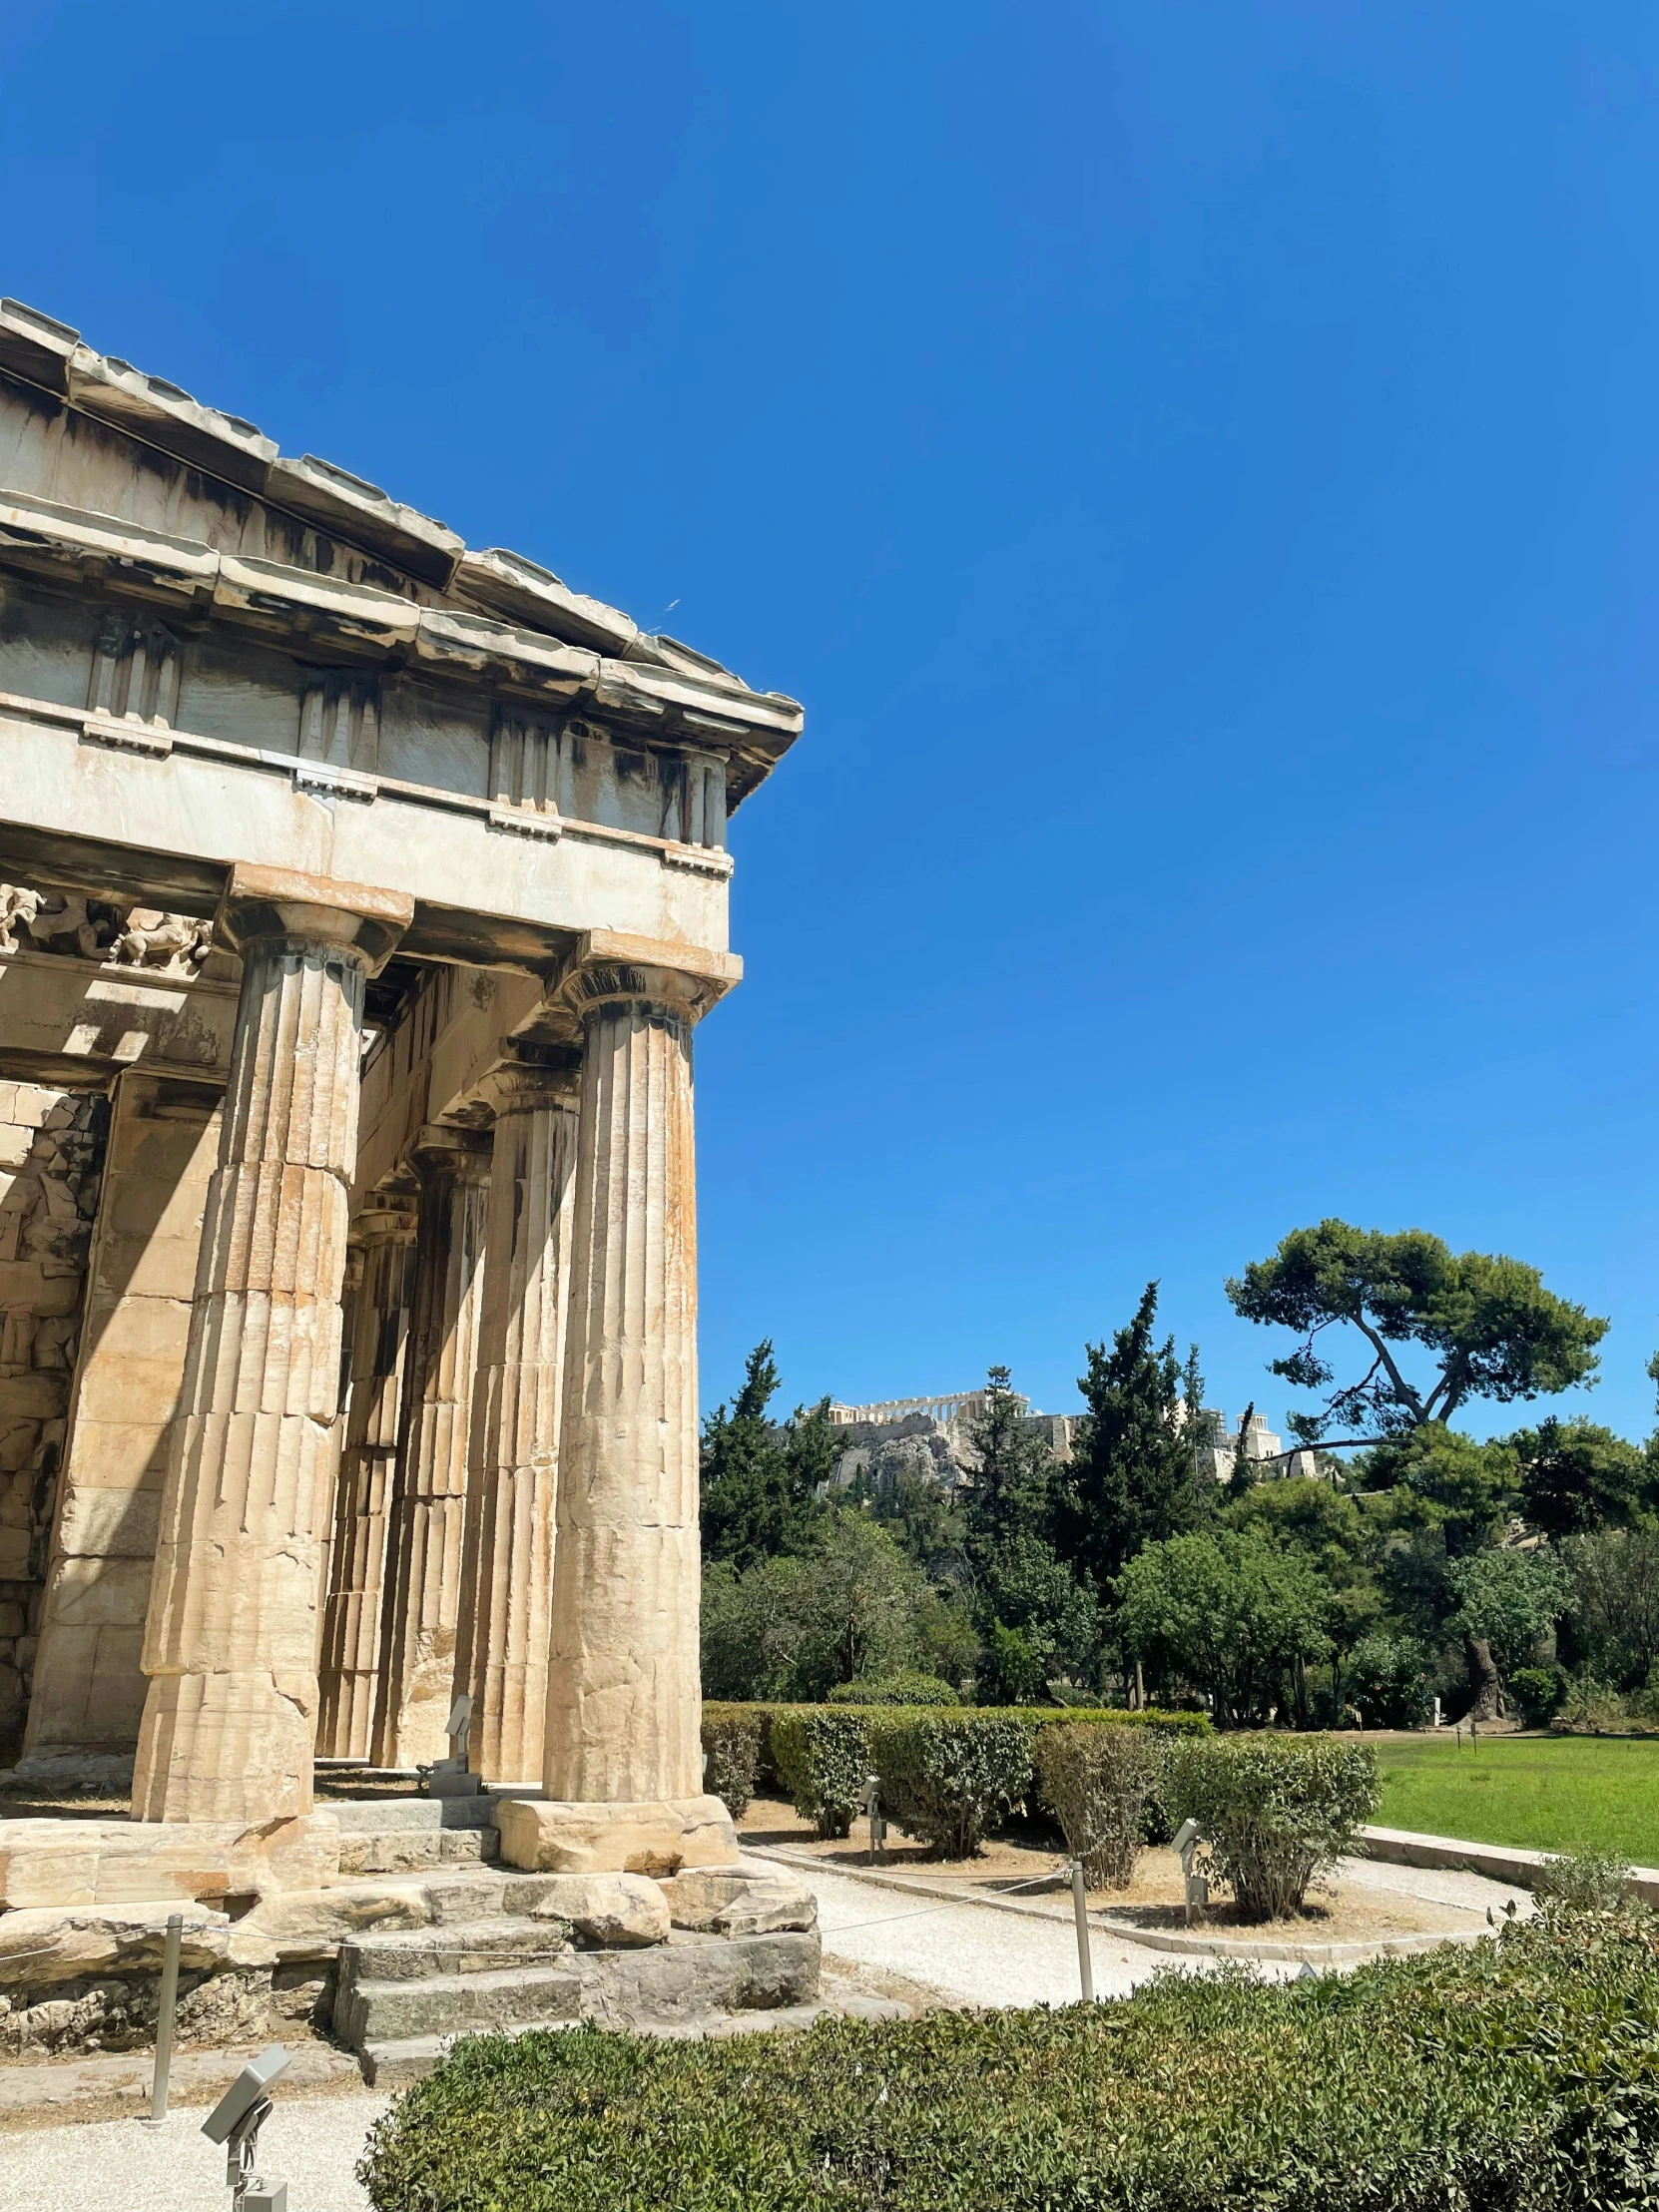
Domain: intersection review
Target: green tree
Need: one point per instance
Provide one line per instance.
(927, 1520)
(1574, 1476)
(850, 1606)
(1615, 1601)
(1506, 1598)
(1227, 1612)
(1488, 1324)
(758, 1481)
(1342, 1542)
(1012, 1491)
(1134, 1475)
(1024, 1590)
(1035, 1619)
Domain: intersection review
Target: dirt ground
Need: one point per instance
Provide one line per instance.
(1027, 1863)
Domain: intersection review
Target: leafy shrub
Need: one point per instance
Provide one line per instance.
(1389, 1680)
(1096, 1781)
(895, 1689)
(822, 1755)
(1590, 1708)
(1513, 2075)
(1583, 1882)
(1538, 1692)
(947, 1779)
(731, 1741)
(1274, 1810)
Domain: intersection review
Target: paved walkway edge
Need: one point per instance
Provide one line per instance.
(1401, 1847)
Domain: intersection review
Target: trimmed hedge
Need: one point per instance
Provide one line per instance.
(822, 1754)
(1519, 2074)
(731, 1741)
(895, 1689)
(1274, 1810)
(1098, 1779)
(948, 1778)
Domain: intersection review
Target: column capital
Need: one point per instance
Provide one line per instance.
(385, 1217)
(529, 1075)
(277, 906)
(442, 1149)
(608, 969)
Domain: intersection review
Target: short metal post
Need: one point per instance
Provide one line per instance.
(164, 2017)
(1085, 1961)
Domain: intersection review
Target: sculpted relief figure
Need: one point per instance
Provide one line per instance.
(91, 930)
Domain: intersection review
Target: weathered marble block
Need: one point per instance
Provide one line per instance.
(80, 1863)
(654, 1837)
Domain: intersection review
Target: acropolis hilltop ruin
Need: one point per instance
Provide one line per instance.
(361, 896)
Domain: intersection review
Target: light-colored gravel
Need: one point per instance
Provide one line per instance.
(971, 1953)
(311, 2143)
(1438, 1884)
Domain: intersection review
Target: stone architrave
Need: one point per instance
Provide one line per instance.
(623, 1701)
(420, 1602)
(230, 1717)
(385, 1233)
(506, 1589)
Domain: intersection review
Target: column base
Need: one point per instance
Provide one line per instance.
(656, 1835)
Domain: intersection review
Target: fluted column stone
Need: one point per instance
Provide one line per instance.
(231, 1640)
(420, 1601)
(622, 1703)
(384, 1236)
(506, 1590)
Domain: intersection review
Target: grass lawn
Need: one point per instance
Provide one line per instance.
(1548, 1792)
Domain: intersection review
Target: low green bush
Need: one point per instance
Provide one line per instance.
(1583, 1882)
(895, 1689)
(821, 1757)
(1513, 2075)
(1097, 1778)
(948, 1778)
(731, 1743)
(1538, 1692)
(1274, 1810)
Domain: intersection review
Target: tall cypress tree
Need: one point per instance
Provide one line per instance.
(759, 1482)
(1134, 1469)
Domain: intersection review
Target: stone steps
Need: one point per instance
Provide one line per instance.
(404, 1835)
(488, 1974)
(511, 1971)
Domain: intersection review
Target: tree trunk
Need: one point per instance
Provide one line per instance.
(1487, 1697)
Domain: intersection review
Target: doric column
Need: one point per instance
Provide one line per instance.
(384, 1235)
(421, 1597)
(506, 1584)
(230, 1717)
(623, 1697)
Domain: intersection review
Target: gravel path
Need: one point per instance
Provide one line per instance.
(311, 2143)
(971, 1953)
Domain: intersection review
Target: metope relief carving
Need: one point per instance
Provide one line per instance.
(93, 929)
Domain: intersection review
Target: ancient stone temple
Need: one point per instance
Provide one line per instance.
(361, 896)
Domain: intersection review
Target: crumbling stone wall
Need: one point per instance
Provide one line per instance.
(51, 1159)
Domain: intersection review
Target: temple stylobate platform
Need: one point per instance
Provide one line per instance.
(361, 894)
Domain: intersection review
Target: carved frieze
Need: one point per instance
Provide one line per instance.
(94, 930)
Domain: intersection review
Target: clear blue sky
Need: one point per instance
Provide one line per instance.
(1198, 466)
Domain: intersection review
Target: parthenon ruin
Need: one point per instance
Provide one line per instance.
(361, 896)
